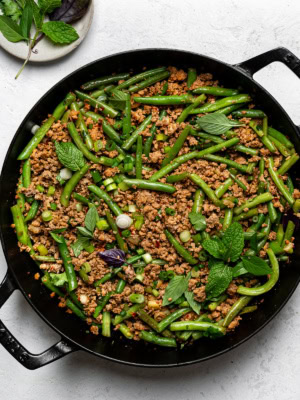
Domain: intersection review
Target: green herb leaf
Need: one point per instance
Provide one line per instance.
(10, 9)
(58, 279)
(59, 230)
(176, 287)
(239, 270)
(84, 232)
(21, 3)
(47, 6)
(214, 247)
(56, 237)
(218, 280)
(10, 30)
(59, 32)
(79, 245)
(37, 16)
(253, 242)
(256, 266)
(91, 219)
(118, 99)
(69, 155)
(216, 124)
(195, 305)
(233, 240)
(198, 221)
(26, 20)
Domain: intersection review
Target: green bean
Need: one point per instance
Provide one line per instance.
(227, 218)
(198, 201)
(126, 331)
(149, 81)
(139, 77)
(229, 109)
(101, 92)
(287, 164)
(67, 260)
(248, 310)
(121, 243)
(138, 158)
(32, 211)
(61, 108)
(66, 116)
(129, 313)
(20, 196)
(262, 198)
(296, 206)
(216, 91)
(106, 198)
(198, 326)
(280, 137)
(149, 141)
(260, 220)
(110, 132)
(221, 190)
(107, 277)
(46, 280)
(180, 249)
(206, 189)
(71, 184)
(91, 114)
(107, 110)
(248, 114)
(290, 185)
(106, 322)
(261, 184)
(279, 183)
(177, 178)
(246, 169)
(264, 138)
(80, 198)
(164, 323)
(95, 83)
(214, 304)
(165, 100)
(237, 307)
(126, 126)
(175, 149)
(120, 286)
(275, 246)
(45, 258)
(81, 146)
(238, 181)
(132, 139)
(20, 225)
(257, 291)
(265, 125)
(148, 320)
(227, 101)
(281, 147)
(148, 185)
(289, 231)
(26, 173)
(272, 212)
(246, 215)
(186, 112)
(80, 123)
(191, 76)
(159, 341)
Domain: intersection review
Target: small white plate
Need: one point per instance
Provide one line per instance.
(45, 50)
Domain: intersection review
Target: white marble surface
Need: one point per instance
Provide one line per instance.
(267, 367)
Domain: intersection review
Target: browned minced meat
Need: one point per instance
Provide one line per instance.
(45, 167)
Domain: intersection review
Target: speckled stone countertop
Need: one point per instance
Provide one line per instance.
(267, 366)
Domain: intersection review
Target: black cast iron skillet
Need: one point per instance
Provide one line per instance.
(21, 268)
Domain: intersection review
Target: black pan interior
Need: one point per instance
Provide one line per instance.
(23, 268)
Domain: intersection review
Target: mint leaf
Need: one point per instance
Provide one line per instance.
(216, 124)
(239, 270)
(58, 279)
(256, 266)
(10, 30)
(85, 232)
(78, 246)
(26, 20)
(69, 155)
(233, 240)
(118, 99)
(195, 305)
(59, 32)
(214, 247)
(218, 280)
(91, 219)
(198, 221)
(11, 9)
(176, 287)
(47, 6)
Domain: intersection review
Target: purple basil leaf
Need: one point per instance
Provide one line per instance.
(113, 257)
(70, 11)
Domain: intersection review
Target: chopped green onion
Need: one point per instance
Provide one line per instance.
(126, 233)
(102, 224)
(86, 267)
(60, 180)
(42, 250)
(131, 208)
(47, 216)
(147, 258)
(51, 191)
(40, 188)
(136, 298)
(140, 251)
(170, 211)
(108, 182)
(98, 145)
(65, 174)
(123, 186)
(111, 187)
(53, 206)
(161, 137)
(78, 207)
(167, 149)
(185, 236)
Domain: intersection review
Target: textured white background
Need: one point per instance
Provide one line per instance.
(267, 367)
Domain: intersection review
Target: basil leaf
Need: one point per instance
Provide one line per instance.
(195, 305)
(59, 32)
(78, 246)
(69, 155)
(70, 11)
(113, 257)
(233, 240)
(59, 230)
(26, 20)
(214, 247)
(198, 221)
(84, 232)
(218, 280)
(58, 279)
(256, 266)
(91, 219)
(239, 270)
(37, 16)
(47, 6)
(56, 237)
(176, 288)
(118, 99)
(10, 30)
(11, 9)
(216, 124)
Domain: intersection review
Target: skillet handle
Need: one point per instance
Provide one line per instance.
(280, 54)
(11, 344)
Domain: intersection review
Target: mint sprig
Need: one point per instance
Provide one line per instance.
(69, 155)
(218, 280)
